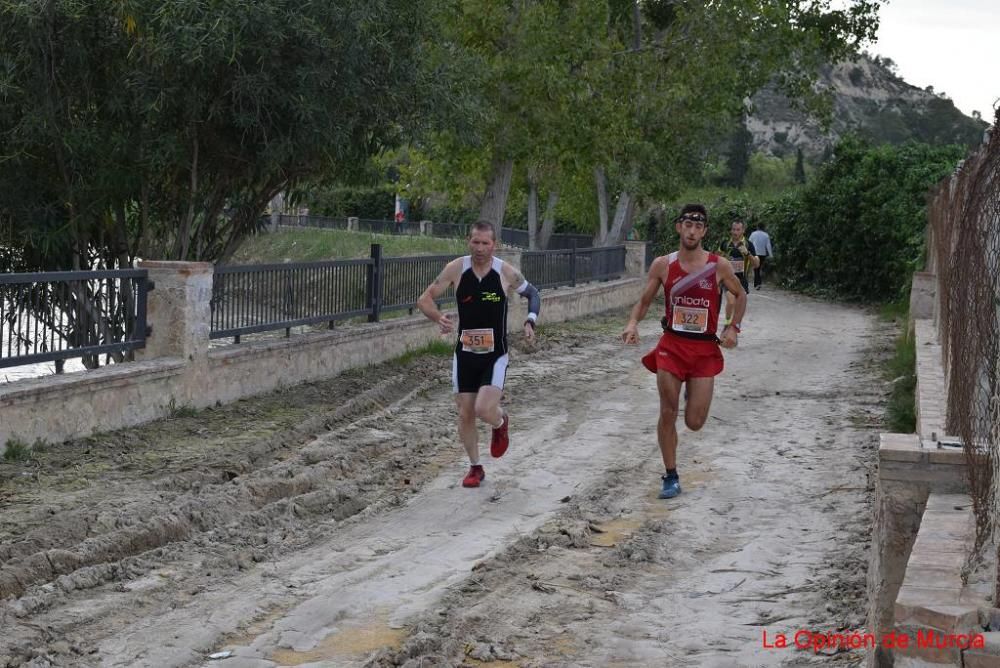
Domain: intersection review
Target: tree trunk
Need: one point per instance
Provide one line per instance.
(602, 203)
(629, 218)
(494, 202)
(532, 213)
(549, 223)
(622, 213)
(184, 238)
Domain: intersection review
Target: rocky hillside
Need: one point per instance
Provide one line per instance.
(868, 99)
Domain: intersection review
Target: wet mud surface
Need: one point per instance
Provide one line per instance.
(325, 524)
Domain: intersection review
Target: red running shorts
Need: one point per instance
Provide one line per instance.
(685, 358)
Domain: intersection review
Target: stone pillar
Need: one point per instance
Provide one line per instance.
(178, 310)
(635, 258)
(898, 507)
(352, 223)
(426, 228)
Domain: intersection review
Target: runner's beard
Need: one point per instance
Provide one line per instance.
(690, 245)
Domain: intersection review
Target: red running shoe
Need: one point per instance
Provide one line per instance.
(501, 439)
(475, 476)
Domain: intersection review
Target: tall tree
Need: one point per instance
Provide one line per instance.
(586, 92)
(164, 128)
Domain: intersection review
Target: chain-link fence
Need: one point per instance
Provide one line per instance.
(964, 252)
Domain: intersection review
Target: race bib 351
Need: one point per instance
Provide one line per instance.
(478, 341)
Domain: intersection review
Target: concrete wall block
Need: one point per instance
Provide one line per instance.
(635, 258)
(897, 511)
(943, 477)
(901, 448)
(925, 657)
(179, 309)
(978, 658)
(923, 292)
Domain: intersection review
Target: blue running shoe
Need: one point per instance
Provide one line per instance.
(671, 486)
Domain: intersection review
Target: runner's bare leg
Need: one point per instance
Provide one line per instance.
(466, 402)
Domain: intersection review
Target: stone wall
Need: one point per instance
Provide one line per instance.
(179, 369)
(923, 527)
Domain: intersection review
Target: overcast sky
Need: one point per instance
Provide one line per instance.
(948, 44)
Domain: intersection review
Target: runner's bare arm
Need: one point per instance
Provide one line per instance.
(448, 276)
(657, 272)
(727, 277)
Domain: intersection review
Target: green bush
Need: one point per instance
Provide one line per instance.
(857, 230)
(378, 202)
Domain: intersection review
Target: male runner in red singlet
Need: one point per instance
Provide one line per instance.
(688, 351)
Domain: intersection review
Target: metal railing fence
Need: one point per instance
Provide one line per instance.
(56, 316)
(257, 298)
(558, 241)
(553, 268)
(322, 222)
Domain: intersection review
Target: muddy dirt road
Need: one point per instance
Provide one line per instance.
(325, 525)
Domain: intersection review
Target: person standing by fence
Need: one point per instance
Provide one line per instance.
(761, 242)
(688, 351)
(479, 366)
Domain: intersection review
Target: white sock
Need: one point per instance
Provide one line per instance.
(503, 418)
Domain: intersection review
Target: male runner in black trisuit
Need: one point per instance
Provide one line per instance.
(481, 354)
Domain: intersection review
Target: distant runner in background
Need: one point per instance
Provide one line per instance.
(740, 253)
(479, 366)
(688, 351)
(760, 240)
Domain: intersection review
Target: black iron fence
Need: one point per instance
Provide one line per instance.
(650, 254)
(56, 316)
(324, 222)
(65, 315)
(388, 226)
(265, 297)
(258, 298)
(558, 241)
(552, 268)
(450, 230)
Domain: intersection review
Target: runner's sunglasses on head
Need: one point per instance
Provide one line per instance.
(693, 217)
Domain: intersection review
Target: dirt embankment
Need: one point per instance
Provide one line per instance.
(324, 524)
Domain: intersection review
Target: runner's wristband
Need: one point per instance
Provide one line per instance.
(736, 326)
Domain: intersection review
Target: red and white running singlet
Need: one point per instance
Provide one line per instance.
(692, 299)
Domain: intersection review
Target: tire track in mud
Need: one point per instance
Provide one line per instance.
(239, 489)
(226, 511)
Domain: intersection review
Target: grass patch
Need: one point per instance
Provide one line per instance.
(902, 372)
(180, 411)
(16, 451)
(436, 348)
(315, 245)
(898, 310)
